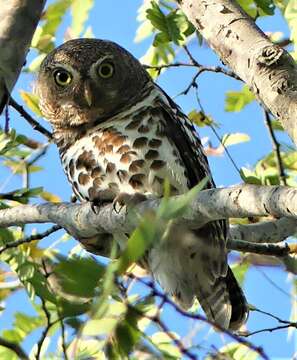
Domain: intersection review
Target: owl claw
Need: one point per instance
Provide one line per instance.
(96, 204)
(124, 199)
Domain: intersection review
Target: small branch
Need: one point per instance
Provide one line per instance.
(191, 57)
(15, 348)
(64, 347)
(287, 323)
(29, 239)
(167, 300)
(45, 330)
(215, 69)
(271, 329)
(35, 125)
(276, 149)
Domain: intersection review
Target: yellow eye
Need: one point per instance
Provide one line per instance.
(62, 77)
(105, 70)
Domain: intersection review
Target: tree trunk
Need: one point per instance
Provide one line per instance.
(268, 70)
(18, 22)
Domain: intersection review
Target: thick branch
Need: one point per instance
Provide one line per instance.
(18, 21)
(269, 71)
(238, 201)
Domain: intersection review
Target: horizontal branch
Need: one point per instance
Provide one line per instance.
(265, 231)
(238, 201)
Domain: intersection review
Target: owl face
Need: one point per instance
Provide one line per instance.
(84, 80)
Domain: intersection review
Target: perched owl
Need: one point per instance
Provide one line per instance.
(118, 133)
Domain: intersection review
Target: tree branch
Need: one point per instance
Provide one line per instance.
(264, 232)
(238, 201)
(35, 125)
(276, 149)
(268, 70)
(18, 21)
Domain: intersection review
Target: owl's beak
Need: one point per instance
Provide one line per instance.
(88, 93)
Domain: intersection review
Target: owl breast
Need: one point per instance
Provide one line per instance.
(127, 154)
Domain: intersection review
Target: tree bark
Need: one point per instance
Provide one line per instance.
(268, 70)
(213, 204)
(18, 22)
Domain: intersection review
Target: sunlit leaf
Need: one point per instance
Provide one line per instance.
(249, 176)
(235, 138)
(200, 119)
(31, 101)
(48, 196)
(80, 12)
(237, 100)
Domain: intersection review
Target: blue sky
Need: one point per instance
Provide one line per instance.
(115, 20)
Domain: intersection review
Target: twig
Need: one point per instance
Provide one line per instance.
(191, 57)
(272, 316)
(216, 133)
(45, 330)
(15, 348)
(30, 238)
(157, 320)
(186, 314)
(276, 149)
(35, 125)
(272, 329)
(64, 347)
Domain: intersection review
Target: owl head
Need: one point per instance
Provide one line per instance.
(84, 80)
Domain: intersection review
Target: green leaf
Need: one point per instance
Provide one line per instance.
(249, 176)
(165, 344)
(31, 101)
(171, 208)
(80, 12)
(238, 352)
(173, 27)
(145, 28)
(235, 138)
(70, 274)
(200, 119)
(276, 125)
(53, 16)
(237, 100)
(138, 243)
(267, 6)
(240, 271)
(7, 354)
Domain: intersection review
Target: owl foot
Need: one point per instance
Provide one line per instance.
(96, 204)
(124, 199)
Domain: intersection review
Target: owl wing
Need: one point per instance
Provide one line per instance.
(211, 279)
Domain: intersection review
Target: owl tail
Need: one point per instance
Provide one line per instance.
(186, 270)
(225, 304)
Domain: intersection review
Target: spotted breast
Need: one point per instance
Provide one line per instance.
(127, 154)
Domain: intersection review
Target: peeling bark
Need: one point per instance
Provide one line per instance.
(268, 70)
(18, 21)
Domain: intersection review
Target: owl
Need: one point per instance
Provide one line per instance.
(119, 137)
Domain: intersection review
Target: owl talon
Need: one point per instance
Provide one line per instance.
(95, 208)
(124, 199)
(96, 205)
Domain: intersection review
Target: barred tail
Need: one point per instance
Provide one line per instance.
(238, 302)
